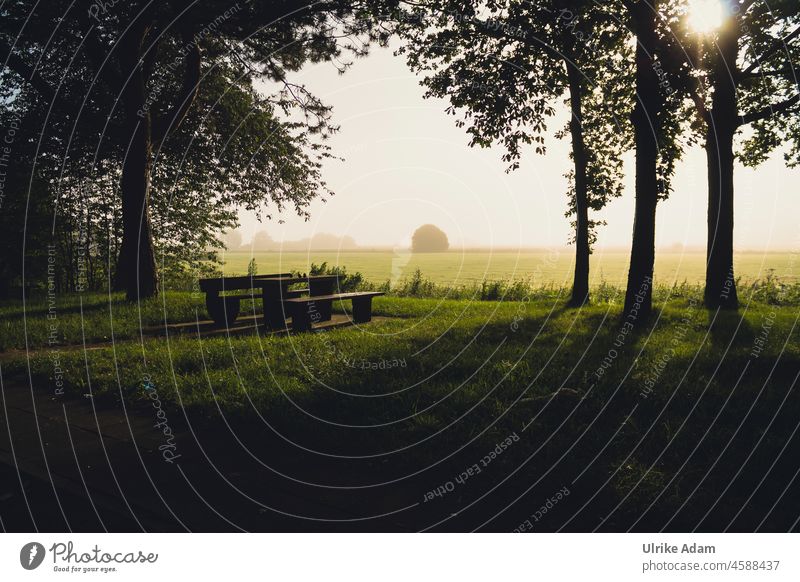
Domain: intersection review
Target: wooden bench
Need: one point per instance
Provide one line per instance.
(224, 309)
(307, 310)
(273, 290)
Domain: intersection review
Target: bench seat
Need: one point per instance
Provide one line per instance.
(224, 309)
(304, 312)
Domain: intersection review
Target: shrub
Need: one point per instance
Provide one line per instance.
(347, 281)
(429, 239)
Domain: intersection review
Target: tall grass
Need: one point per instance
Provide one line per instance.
(770, 289)
(101, 317)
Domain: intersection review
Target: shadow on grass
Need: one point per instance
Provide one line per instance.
(36, 306)
(725, 326)
(703, 449)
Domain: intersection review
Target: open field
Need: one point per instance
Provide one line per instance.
(539, 267)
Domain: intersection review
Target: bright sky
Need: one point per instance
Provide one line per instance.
(407, 164)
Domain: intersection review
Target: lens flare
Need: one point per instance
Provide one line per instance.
(705, 15)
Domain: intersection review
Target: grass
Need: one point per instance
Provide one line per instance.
(663, 416)
(91, 317)
(73, 319)
(238, 365)
(710, 389)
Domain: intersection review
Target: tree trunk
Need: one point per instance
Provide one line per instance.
(136, 266)
(720, 288)
(720, 284)
(580, 281)
(639, 293)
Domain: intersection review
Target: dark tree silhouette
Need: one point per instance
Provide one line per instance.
(744, 74)
(84, 57)
(646, 123)
(429, 239)
(656, 127)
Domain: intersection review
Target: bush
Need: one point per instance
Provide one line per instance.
(347, 281)
(429, 239)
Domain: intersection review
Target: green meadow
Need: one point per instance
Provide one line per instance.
(617, 412)
(540, 267)
(651, 424)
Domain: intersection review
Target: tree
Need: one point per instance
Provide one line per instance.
(262, 241)
(656, 126)
(232, 150)
(598, 76)
(743, 74)
(505, 65)
(429, 239)
(96, 64)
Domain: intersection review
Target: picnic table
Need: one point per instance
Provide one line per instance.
(307, 305)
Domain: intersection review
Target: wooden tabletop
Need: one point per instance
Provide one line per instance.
(299, 279)
(256, 281)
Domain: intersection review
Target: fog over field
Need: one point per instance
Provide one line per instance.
(540, 266)
(406, 163)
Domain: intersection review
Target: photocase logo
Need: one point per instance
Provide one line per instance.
(31, 555)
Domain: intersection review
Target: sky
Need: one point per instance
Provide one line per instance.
(407, 164)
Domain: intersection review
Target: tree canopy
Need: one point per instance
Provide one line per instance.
(429, 238)
(168, 114)
(505, 66)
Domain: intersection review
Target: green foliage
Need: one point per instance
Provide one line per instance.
(252, 268)
(416, 286)
(772, 291)
(32, 215)
(63, 87)
(503, 66)
(765, 75)
(347, 281)
(768, 89)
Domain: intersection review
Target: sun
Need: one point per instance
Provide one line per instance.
(705, 15)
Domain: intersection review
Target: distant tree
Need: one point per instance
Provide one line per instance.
(262, 241)
(325, 241)
(429, 239)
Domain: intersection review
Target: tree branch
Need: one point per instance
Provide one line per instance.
(745, 5)
(28, 73)
(191, 83)
(770, 110)
(791, 71)
(771, 50)
(700, 104)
